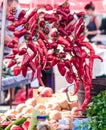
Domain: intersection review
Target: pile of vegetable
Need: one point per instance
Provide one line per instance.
(96, 112)
(57, 108)
(10, 124)
(52, 37)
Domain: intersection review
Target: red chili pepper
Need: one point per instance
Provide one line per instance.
(24, 70)
(68, 64)
(21, 14)
(20, 33)
(89, 47)
(87, 97)
(17, 70)
(31, 14)
(33, 32)
(28, 36)
(10, 45)
(50, 57)
(15, 40)
(17, 33)
(13, 11)
(84, 54)
(47, 67)
(61, 40)
(70, 41)
(54, 61)
(70, 18)
(77, 84)
(22, 51)
(80, 21)
(62, 24)
(48, 46)
(81, 67)
(32, 76)
(70, 30)
(16, 23)
(46, 30)
(39, 69)
(42, 24)
(26, 59)
(77, 51)
(48, 7)
(10, 56)
(62, 55)
(43, 36)
(11, 18)
(32, 19)
(98, 57)
(32, 66)
(87, 77)
(11, 27)
(40, 50)
(91, 59)
(54, 34)
(69, 27)
(69, 77)
(36, 61)
(11, 63)
(55, 25)
(33, 26)
(44, 63)
(22, 21)
(67, 10)
(75, 62)
(15, 50)
(61, 68)
(59, 11)
(50, 17)
(80, 31)
(32, 46)
(67, 49)
(62, 31)
(54, 45)
(80, 14)
(42, 45)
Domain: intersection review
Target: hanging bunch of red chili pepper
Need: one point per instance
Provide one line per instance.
(55, 38)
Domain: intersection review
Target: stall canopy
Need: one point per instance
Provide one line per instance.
(75, 4)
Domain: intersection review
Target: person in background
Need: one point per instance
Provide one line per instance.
(103, 26)
(8, 36)
(94, 22)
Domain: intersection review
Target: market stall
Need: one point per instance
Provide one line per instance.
(54, 36)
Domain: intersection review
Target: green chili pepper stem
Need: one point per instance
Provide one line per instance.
(17, 122)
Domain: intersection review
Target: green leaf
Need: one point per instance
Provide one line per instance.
(96, 112)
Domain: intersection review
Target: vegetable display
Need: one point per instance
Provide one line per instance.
(96, 112)
(52, 37)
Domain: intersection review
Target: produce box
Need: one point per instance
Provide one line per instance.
(56, 96)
